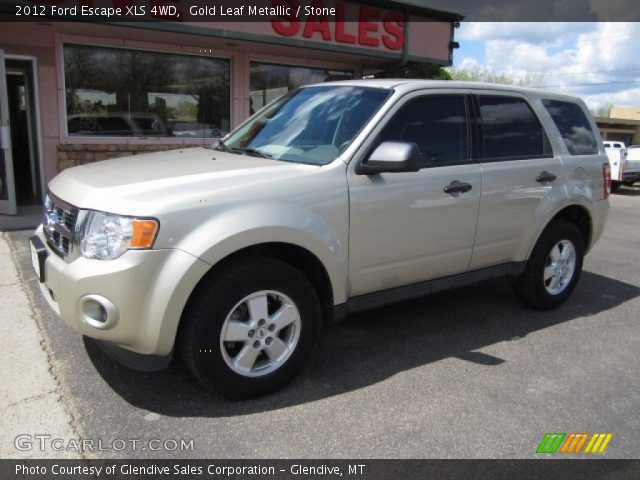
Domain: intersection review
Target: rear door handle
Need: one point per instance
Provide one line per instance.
(546, 177)
(457, 187)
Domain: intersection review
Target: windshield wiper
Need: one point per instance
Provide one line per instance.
(255, 153)
(250, 151)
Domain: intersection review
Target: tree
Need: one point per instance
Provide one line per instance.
(479, 74)
(603, 110)
(415, 70)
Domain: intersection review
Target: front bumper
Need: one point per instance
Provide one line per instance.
(146, 290)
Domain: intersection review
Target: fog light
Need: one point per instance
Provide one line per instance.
(98, 312)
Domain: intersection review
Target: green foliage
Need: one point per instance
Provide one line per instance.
(475, 74)
(603, 110)
(479, 74)
(415, 70)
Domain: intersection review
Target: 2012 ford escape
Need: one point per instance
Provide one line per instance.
(333, 199)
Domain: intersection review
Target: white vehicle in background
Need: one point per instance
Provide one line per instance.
(625, 163)
(631, 173)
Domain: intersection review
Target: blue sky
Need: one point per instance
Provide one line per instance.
(598, 62)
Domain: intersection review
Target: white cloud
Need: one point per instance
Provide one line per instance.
(596, 61)
(624, 98)
(469, 63)
(541, 32)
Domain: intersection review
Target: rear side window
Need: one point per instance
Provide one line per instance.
(510, 129)
(573, 126)
(437, 124)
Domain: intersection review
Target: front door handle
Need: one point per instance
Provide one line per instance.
(545, 177)
(457, 187)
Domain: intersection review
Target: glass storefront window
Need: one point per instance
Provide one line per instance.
(268, 81)
(135, 93)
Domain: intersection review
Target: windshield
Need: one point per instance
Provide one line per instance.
(311, 125)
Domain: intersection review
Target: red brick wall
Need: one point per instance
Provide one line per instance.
(72, 155)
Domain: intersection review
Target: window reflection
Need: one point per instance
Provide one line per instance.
(510, 128)
(118, 92)
(268, 81)
(573, 126)
(310, 125)
(437, 124)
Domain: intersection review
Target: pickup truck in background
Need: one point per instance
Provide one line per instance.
(625, 163)
(631, 172)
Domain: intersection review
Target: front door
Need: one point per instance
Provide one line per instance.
(404, 228)
(7, 186)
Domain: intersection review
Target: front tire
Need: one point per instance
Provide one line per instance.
(249, 326)
(554, 267)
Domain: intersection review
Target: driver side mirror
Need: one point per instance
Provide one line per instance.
(391, 157)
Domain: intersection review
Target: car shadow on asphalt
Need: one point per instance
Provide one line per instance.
(370, 347)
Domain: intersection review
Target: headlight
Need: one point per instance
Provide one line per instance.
(108, 236)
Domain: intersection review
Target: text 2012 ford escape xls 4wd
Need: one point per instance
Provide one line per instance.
(333, 199)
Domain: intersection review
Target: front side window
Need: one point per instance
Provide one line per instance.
(510, 129)
(437, 124)
(573, 126)
(124, 92)
(311, 125)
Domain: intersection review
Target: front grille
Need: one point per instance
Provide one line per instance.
(59, 224)
(68, 217)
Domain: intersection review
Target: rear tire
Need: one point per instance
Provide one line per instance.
(249, 326)
(554, 267)
(615, 186)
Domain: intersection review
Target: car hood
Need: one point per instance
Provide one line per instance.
(143, 184)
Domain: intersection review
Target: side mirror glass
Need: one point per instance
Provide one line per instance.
(391, 157)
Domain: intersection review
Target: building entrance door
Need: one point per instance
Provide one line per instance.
(8, 203)
(20, 175)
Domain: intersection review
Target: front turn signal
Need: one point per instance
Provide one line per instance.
(143, 233)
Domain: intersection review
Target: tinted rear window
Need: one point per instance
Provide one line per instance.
(573, 126)
(511, 129)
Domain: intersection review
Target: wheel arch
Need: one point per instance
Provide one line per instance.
(298, 257)
(573, 213)
(581, 218)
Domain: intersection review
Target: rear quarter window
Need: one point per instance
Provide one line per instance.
(573, 126)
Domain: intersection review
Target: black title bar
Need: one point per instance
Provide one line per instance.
(299, 469)
(318, 10)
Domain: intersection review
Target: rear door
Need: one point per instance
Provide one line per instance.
(519, 172)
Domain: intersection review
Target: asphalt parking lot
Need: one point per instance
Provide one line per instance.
(466, 373)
